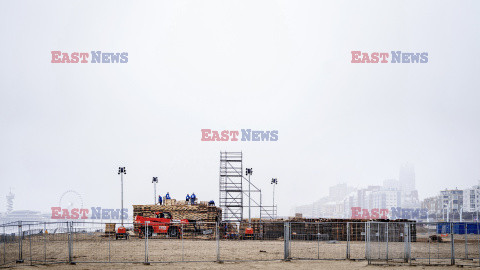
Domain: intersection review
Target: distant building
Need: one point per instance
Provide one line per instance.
(338, 192)
(451, 203)
(23, 215)
(434, 206)
(386, 199)
(391, 184)
(407, 178)
(471, 199)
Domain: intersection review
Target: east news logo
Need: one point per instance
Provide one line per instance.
(243, 134)
(83, 57)
(384, 57)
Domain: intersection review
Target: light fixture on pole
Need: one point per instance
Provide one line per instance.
(121, 172)
(155, 181)
(274, 182)
(249, 171)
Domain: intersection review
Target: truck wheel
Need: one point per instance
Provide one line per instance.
(173, 232)
(142, 232)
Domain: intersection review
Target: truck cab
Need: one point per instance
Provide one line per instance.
(161, 224)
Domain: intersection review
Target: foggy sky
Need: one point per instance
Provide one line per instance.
(266, 65)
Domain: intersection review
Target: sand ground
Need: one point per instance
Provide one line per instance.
(278, 265)
(101, 250)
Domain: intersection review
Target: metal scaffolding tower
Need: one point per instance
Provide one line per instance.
(231, 198)
(232, 192)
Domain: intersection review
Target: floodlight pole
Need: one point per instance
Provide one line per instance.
(155, 181)
(121, 209)
(274, 199)
(274, 182)
(249, 172)
(121, 171)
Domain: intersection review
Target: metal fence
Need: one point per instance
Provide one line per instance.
(389, 243)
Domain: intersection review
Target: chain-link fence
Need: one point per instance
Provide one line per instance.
(389, 242)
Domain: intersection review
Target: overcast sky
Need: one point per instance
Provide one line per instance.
(265, 65)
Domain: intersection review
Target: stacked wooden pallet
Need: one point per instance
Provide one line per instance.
(109, 229)
(204, 215)
(198, 212)
(329, 229)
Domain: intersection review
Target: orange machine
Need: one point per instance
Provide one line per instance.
(121, 233)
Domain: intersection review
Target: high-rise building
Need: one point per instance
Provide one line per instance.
(391, 184)
(471, 199)
(338, 192)
(407, 178)
(386, 199)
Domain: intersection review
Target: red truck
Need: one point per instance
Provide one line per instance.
(162, 223)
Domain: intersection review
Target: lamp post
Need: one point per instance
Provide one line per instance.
(274, 182)
(121, 171)
(249, 171)
(155, 181)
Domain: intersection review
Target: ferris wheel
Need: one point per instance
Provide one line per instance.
(71, 199)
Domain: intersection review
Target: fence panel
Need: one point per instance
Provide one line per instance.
(386, 242)
(356, 240)
(88, 236)
(319, 240)
(10, 245)
(467, 243)
(251, 241)
(389, 242)
(35, 236)
(56, 242)
(182, 242)
(132, 249)
(432, 245)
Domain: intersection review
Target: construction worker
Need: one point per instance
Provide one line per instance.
(160, 199)
(187, 198)
(192, 198)
(167, 196)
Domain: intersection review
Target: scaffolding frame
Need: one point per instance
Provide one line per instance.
(231, 192)
(231, 189)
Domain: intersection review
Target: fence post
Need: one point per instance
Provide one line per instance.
(110, 241)
(217, 239)
(386, 255)
(348, 240)
(318, 241)
(478, 233)
(20, 247)
(4, 245)
(146, 243)
(367, 241)
(466, 240)
(405, 242)
(70, 244)
(410, 242)
(286, 242)
(45, 242)
(183, 249)
(30, 243)
(452, 259)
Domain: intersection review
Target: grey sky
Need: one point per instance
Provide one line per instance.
(264, 65)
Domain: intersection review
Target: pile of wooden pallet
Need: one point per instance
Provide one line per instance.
(198, 212)
(329, 229)
(204, 215)
(109, 229)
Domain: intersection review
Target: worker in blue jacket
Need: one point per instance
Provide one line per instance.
(192, 198)
(160, 199)
(167, 196)
(187, 198)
